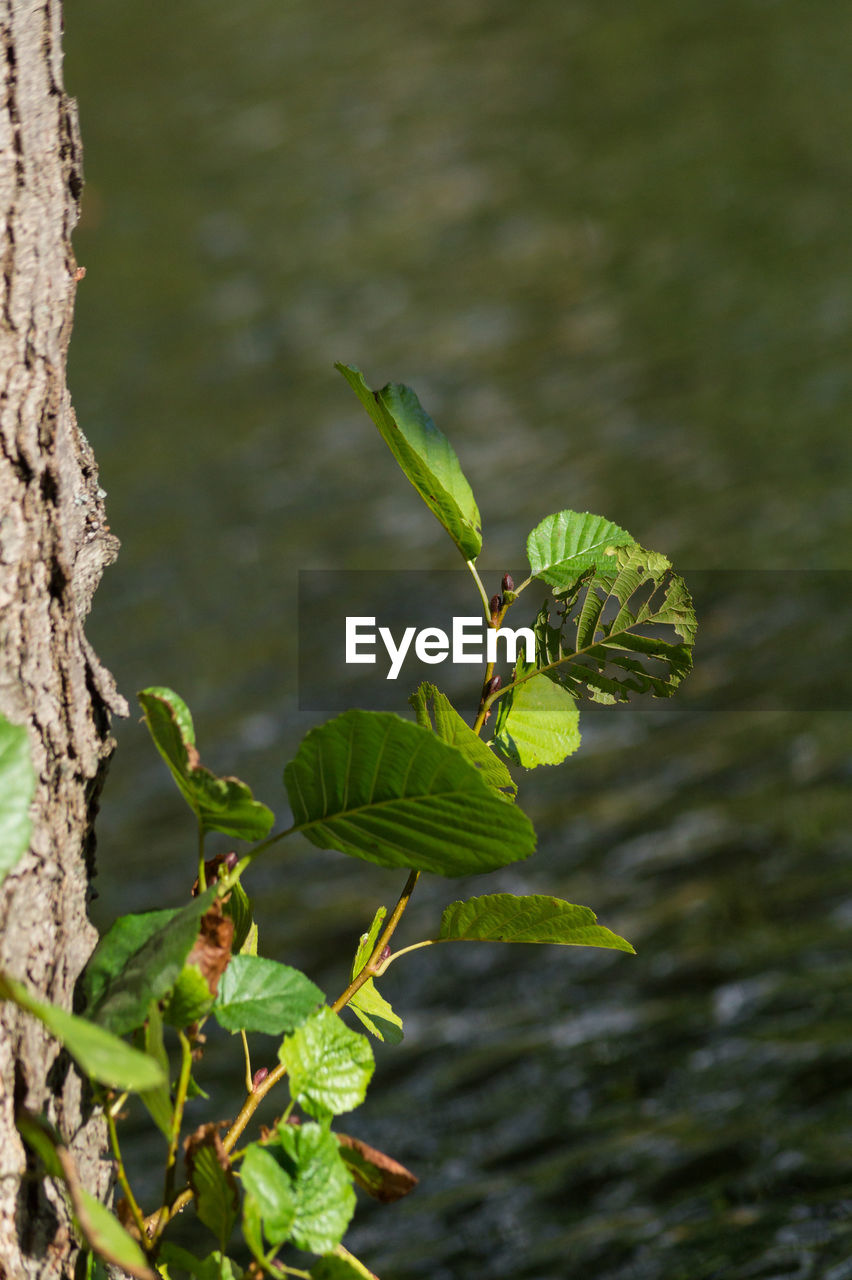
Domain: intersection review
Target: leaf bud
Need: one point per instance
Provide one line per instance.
(259, 1077)
(231, 860)
(508, 583)
(494, 605)
(494, 684)
(384, 954)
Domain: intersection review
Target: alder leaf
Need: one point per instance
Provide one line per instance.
(425, 455)
(506, 917)
(381, 788)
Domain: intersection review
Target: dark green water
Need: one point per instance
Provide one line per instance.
(609, 246)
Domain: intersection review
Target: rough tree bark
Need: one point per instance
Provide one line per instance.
(54, 544)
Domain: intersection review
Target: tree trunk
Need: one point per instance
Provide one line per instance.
(54, 544)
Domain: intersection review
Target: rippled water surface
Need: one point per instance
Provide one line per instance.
(609, 246)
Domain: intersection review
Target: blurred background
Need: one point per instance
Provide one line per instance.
(609, 246)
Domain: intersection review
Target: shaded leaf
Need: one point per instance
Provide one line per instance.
(380, 1176)
(190, 999)
(380, 788)
(537, 721)
(210, 1175)
(101, 1230)
(220, 804)
(329, 1066)
(158, 1100)
(435, 711)
(426, 457)
(607, 641)
(214, 1267)
(505, 917)
(568, 543)
(256, 994)
(17, 785)
(100, 1054)
(140, 960)
(325, 1200)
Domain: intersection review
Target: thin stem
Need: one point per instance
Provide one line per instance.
(167, 1210)
(249, 1085)
(202, 874)
(403, 951)
(371, 968)
(482, 591)
(121, 1174)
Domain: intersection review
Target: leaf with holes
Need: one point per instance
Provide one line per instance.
(614, 636)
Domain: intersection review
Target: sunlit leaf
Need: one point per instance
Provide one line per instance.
(435, 711)
(607, 639)
(373, 785)
(329, 1066)
(568, 543)
(426, 457)
(537, 722)
(505, 917)
(256, 994)
(325, 1199)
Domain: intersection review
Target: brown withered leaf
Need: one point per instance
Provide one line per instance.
(380, 1176)
(212, 950)
(206, 1135)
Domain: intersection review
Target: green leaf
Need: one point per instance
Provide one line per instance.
(139, 960)
(367, 941)
(190, 998)
(325, 1199)
(17, 784)
(380, 788)
(220, 804)
(537, 722)
(210, 1175)
(214, 1267)
(238, 907)
(606, 641)
(376, 1014)
(158, 1100)
(271, 1188)
(107, 1237)
(262, 995)
(450, 727)
(368, 1006)
(329, 1066)
(426, 457)
(100, 1055)
(102, 1232)
(568, 543)
(341, 1265)
(503, 917)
